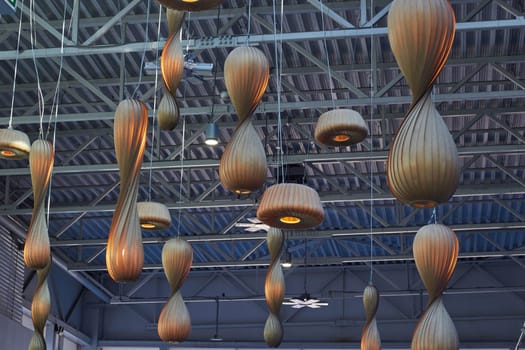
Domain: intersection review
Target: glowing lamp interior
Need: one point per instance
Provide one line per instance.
(148, 225)
(7, 153)
(290, 220)
(341, 138)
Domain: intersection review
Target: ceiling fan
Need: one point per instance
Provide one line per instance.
(305, 299)
(253, 225)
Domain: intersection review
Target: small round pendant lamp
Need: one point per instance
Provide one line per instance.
(14, 144)
(190, 5)
(291, 207)
(340, 127)
(153, 215)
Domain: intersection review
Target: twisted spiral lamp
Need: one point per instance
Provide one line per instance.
(422, 167)
(243, 166)
(40, 307)
(174, 321)
(37, 252)
(125, 252)
(435, 250)
(370, 339)
(274, 288)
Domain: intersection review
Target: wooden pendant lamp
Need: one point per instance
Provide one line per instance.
(274, 288)
(14, 144)
(168, 113)
(175, 19)
(290, 206)
(370, 339)
(422, 167)
(340, 127)
(40, 307)
(190, 5)
(243, 167)
(435, 250)
(37, 252)
(125, 252)
(172, 63)
(153, 215)
(174, 323)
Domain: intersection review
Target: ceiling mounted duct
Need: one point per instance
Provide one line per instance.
(37, 252)
(190, 5)
(243, 167)
(422, 167)
(340, 127)
(153, 215)
(125, 252)
(14, 144)
(168, 113)
(290, 207)
(274, 288)
(435, 250)
(174, 323)
(370, 339)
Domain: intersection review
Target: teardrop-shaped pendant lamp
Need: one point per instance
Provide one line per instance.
(291, 207)
(37, 252)
(370, 339)
(340, 127)
(421, 33)
(175, 19)
(174, 323)
(125, 252)
(40, 307)
(14, 144)
(172, 63)
(243, 166)
(274, 288)
(153, 215)
(190, 5)
(435, 250)
(168, 113)
(423, 165)
(246, 75)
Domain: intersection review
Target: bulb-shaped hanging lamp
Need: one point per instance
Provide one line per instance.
(125, 252)
(340, 127)
(174, 323)
(435, 250)
(153, 215)
(243, 167)
(422, 167)
(37, 252)
(274, 288)
(168, 113)
(190, 5)
(291, 207)
(172, 63)
(370, 339)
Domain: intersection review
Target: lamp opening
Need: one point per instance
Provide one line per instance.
(287, 263)
(148, 225)
(7, 153)
(290, 220)
(341, 138)
(190, 0)
(211, 135)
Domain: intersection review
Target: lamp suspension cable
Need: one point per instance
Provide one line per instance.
(215, 69)
(10, 125)
(152, 148)
(325, 46)
(146, 40)
(278, 53)
(183, 145)
(249, 22)
(32, 35)
(373, 65)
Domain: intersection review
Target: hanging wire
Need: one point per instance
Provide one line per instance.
(278, 53)
(10, 126)
(215, 69)
(372, 92)
(154, 105)
(181, 172)
(32, 35)
(146, 35)
(330, 80)
(249, 21)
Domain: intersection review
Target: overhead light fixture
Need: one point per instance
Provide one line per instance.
(212, 134)
(153, 215)
(287, 263)
(305, 300)
(14, 144)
